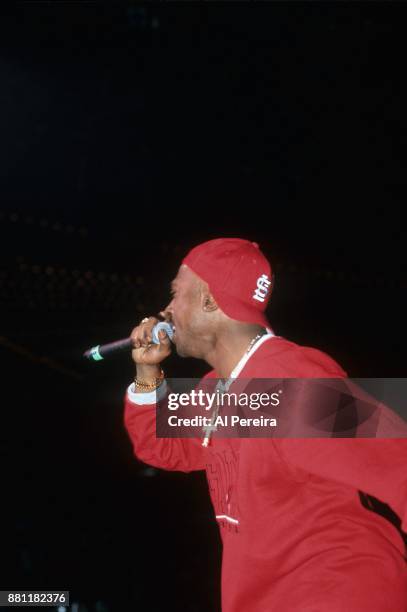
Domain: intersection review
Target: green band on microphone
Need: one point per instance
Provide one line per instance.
(94, 352)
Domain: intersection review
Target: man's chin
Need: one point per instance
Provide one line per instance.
(180, 351)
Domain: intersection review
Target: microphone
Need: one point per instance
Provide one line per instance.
(99, 352)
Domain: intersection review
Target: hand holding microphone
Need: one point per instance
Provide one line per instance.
(147, 354)
(151, 341)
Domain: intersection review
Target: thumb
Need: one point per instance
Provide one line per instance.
(163, 337)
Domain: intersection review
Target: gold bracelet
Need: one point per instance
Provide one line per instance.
(143, 386)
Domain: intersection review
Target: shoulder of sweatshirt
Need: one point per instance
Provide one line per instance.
(279, 357)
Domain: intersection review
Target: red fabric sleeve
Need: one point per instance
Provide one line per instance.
(376, 466)
(184, 455)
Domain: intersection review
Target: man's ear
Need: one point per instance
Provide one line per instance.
(208, 302)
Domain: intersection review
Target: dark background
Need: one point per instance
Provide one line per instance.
(130, 133)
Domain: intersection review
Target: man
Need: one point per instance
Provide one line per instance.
(295, 534)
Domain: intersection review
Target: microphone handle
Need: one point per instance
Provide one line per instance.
(99, 352)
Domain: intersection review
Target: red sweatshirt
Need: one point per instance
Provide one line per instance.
(295, 534)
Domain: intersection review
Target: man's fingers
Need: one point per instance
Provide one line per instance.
(163, 337)
(145, 337)
(164, 348)
(141, 335)
(144, 349)
(135, 337)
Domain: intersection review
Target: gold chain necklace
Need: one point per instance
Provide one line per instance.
(212, 427)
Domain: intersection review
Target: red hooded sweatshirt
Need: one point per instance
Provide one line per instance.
(295, 534)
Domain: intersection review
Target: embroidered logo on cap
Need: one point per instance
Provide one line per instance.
(263, 285)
